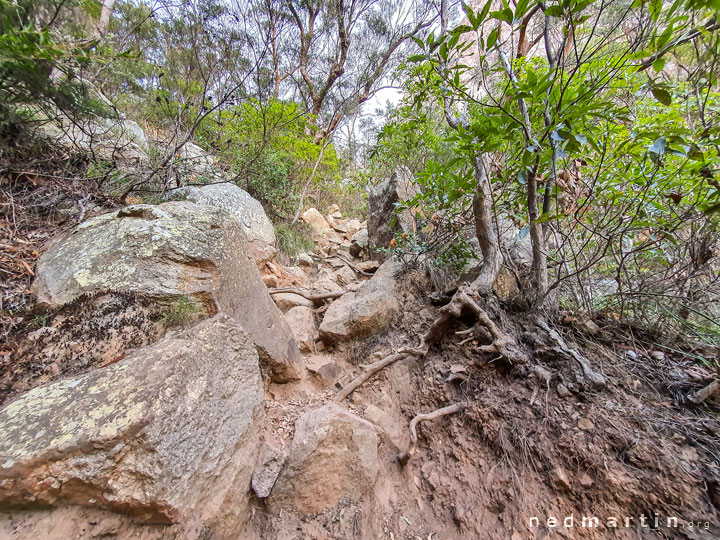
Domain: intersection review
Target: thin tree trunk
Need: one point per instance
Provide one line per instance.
(485, 228)
(102, 26)
(309, 181)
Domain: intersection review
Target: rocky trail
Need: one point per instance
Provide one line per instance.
(181, 382)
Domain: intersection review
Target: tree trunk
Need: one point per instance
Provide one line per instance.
(102, 26)
(485, 229)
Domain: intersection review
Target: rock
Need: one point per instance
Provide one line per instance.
(170, 251)
(563, 391)
(586, 424)
(270, 280)
(587, 326)
(360, 243)
(631, 355)
(301, 320)
(197, 166)
(316, 220)
(383, 222)
(585, 480)
(368, 266)
(344, 276)
(560, 478)
(334, 211)
(304, 259)
(270, 462)
(657, 355)
(296, 272)
(325, 369)
(254, 221)
(367, 311)
(326, 284)
(287, 301)
(166, 434)
(352, 227)
(333, 455)
(505, 286)
(112, 138)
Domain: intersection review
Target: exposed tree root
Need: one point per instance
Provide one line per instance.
(704, 393)
(368, 372)
(313, 297)
(503, 345)
(593, 377)
(450, 409)
(350, 264)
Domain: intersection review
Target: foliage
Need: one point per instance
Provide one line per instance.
(269, 149)
(182, 311)
(40, 68)
(293, 239)
(612, 164)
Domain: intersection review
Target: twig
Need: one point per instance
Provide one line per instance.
(450, 409)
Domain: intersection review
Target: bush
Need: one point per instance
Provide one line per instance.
(293, 239)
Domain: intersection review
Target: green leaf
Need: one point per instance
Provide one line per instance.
(416, 58)
(662, 95)
(492, 38)
(658, 65)
(655, 7)
(554, 11)
(658, 146)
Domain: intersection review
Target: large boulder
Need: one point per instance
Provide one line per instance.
(255, 224)
(383, 221)
(170, 251)
(169, 434)
(333, 455)
(365, 312)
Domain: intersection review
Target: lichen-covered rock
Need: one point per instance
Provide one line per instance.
(168, 434)
(367, 311)
(333, 455)
(173, 250)
(383, 222)
(256, 225)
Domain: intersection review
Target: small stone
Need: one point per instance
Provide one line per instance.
(304, 259)
(585, 480)
(560, 478)
(632, 355)
(657, 355)
(563, 391)
(586, 424)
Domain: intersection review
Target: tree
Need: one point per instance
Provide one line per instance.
(341, 50)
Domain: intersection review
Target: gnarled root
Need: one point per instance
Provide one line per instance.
(450, 409)
(462, 300)
(593, 377)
